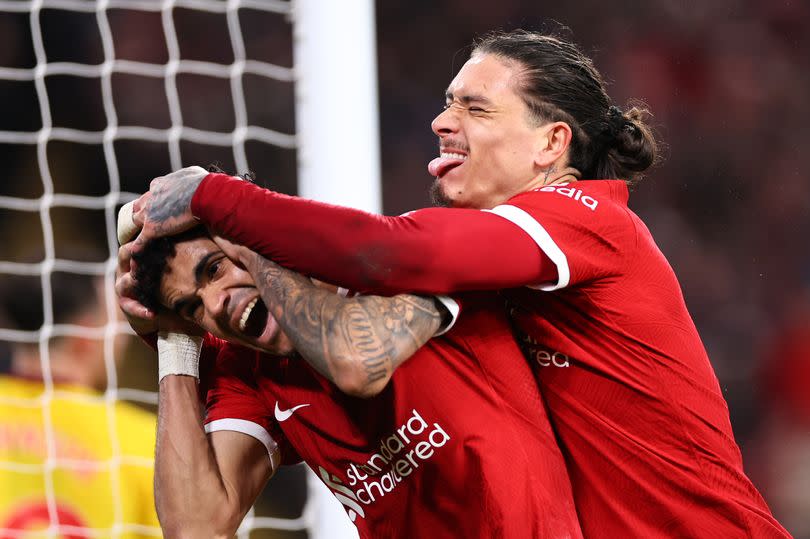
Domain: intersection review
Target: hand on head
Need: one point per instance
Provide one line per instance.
(142, 320)
(165, 210)
(241, 255)
(145, 320)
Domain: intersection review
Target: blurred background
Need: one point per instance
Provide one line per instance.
(727, 81)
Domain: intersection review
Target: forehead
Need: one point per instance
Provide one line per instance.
(178, 277)
(487, 75)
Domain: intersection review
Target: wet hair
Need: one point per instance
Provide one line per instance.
(559, 83)
(151, 265)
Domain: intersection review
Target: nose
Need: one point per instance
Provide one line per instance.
(445, 123)
(215, 301)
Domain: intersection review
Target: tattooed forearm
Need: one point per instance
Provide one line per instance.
(357, 342)
(361, 336)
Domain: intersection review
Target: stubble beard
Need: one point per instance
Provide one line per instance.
(438, 197)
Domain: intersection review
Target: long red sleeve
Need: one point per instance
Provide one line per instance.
(434, 251)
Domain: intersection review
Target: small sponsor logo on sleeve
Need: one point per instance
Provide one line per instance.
(573, 193)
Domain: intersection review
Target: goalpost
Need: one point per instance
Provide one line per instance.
(336, 140)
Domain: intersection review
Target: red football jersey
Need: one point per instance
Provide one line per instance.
(629, 386)
(635, 402)
(458, 444)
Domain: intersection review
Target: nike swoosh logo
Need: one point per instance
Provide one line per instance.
(284, 415)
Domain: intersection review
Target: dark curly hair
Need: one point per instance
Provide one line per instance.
(151, 265)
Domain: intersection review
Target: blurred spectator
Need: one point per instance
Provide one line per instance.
(69, 456)
(781, 450)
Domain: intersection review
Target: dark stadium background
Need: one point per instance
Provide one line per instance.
(728, 81)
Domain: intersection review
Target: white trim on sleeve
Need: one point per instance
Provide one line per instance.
(543, 239)
(451, 305)
(251, 429)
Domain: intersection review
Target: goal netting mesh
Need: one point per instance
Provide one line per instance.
(98, 98)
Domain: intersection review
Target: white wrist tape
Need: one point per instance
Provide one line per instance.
(127, 229)
(178, 354)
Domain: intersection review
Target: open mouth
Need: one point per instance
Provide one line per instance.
(445, 162)
(254, 319)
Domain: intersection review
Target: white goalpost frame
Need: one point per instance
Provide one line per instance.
(337, 119)
(337, 124)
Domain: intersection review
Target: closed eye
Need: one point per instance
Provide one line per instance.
(473, 109)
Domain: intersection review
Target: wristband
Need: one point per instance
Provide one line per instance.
(127, 229)
(178, 354)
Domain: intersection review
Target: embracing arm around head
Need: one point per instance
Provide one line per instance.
(357, 342)
(431, 251)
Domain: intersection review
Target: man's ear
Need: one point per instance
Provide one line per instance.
(553, 140)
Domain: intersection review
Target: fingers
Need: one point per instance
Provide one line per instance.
(139, 208)
(140, 241)
(133, 309)
(232, 250)
(125, 289)
(125, 286)
(124, 260)
(242, 256)
(227, 246)
(140, 211)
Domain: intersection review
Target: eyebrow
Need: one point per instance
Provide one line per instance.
(199, 268)
(467, 99)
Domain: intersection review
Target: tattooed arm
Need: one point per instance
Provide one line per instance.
(165, 210)
(356, 343)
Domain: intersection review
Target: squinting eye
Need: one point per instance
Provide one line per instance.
(212, 269)
(476, 109)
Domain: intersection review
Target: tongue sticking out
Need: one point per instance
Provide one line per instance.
(441, 165)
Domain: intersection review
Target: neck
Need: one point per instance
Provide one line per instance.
(553, 177)
(556, 177)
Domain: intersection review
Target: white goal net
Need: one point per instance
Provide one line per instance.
(101, 96)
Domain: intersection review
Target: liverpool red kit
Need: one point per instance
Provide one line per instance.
(458, 444)
(630, 390)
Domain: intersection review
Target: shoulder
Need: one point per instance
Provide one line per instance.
(589, 206)
(588, 196)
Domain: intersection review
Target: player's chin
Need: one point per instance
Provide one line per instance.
(439, 196)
